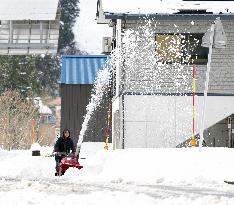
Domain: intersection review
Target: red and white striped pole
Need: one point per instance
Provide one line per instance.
(193, 141)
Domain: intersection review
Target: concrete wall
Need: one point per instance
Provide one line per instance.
(166, 121)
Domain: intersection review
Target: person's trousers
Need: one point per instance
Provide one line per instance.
(58, 160)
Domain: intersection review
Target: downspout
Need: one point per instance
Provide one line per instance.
(123, 140)
(120, 73)
(123, 83)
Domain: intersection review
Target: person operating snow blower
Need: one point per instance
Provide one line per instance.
(63, 146)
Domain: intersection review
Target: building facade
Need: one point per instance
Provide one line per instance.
(77, 78)
(29, 28)
(152, 106)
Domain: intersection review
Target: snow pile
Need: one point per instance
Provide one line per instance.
(35, 146)
(121, 177)
(163, 166)
(22, 165)
(138, 165)
(43, 109)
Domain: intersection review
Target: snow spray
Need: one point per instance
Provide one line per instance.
(100, 88)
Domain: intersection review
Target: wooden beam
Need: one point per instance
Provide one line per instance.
(11, 32)
(41, 32)
(27, 45)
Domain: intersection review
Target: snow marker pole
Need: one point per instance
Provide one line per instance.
(193, 141)
(108, 128)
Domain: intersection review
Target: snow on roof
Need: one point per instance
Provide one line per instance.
(43, 109)
(165, 6)
(28, 9)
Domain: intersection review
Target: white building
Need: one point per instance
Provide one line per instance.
(29, 27)
(152, 106)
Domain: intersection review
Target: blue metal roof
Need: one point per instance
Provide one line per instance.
(81, 69)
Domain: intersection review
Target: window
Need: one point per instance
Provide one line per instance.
(168, 47)
(181, 48)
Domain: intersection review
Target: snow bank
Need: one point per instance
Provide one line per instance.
(171, 166)
(179, 176)
(160, 166)
(157, 166)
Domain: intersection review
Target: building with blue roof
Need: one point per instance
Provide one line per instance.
(81, 69)
(78, 73)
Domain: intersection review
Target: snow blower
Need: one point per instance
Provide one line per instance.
(69, 160)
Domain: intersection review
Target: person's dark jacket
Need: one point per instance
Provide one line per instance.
(64, 145)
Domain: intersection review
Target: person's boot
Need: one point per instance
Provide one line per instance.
(57, 169)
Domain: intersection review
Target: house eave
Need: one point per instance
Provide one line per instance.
(170, 17)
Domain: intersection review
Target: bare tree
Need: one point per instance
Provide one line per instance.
(16, 116)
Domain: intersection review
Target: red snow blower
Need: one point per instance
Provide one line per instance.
(68, 160)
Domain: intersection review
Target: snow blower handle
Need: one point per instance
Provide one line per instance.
(60, 154)
(77, 151)
(78, 148)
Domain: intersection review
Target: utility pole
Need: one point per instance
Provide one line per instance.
(214, 37)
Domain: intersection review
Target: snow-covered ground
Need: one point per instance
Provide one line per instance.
(119, 177)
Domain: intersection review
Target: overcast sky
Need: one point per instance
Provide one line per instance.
(88, 33)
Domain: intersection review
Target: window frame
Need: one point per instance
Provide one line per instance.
(185, 44)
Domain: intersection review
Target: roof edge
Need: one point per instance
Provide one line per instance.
(127, 16)
(84, 56)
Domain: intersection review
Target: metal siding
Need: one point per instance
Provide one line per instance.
(75, 98)
(70, 71)
(83, 77)
(67, 73)
(74, 70)
(79, 73)
(63, 76)
(81, 69)
(96, 65)
(74, 112)
(79, 64)
(90, 72)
